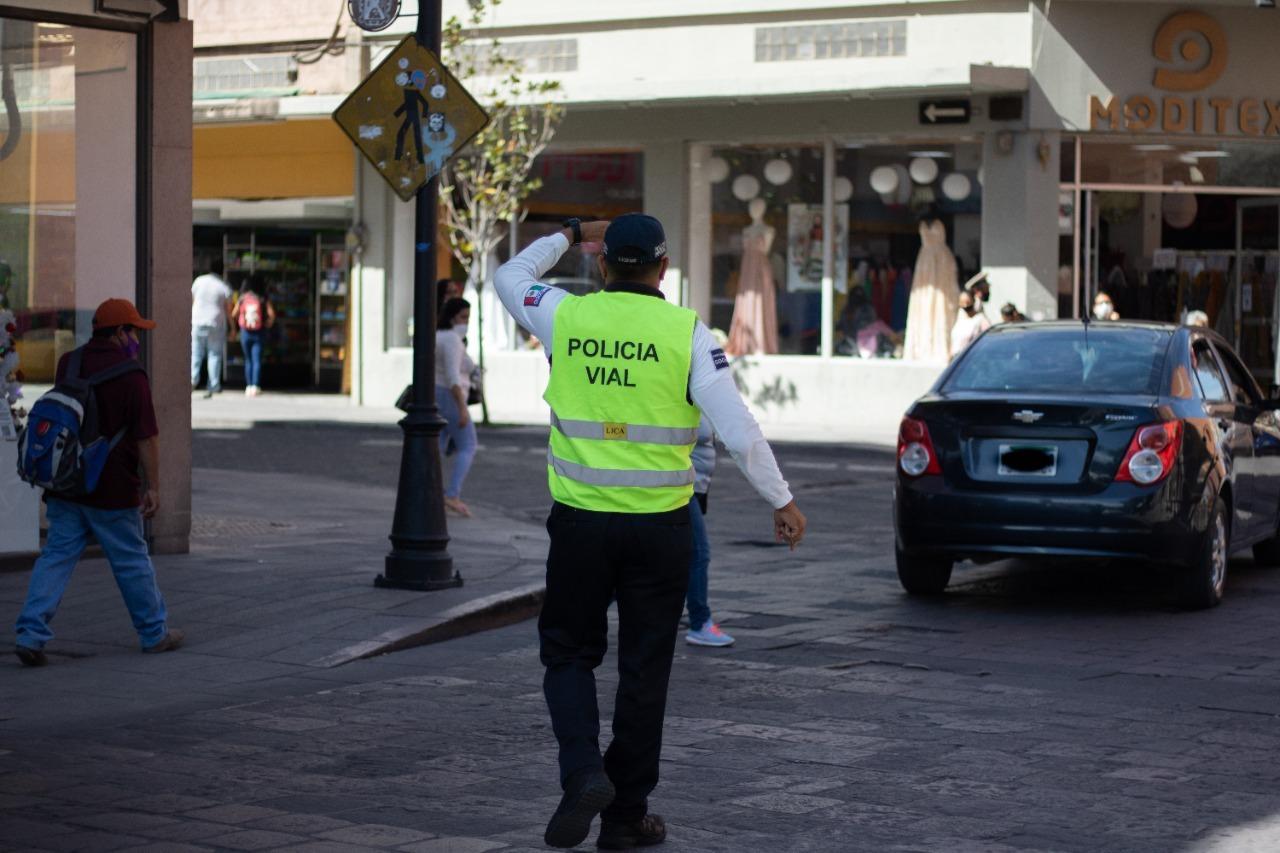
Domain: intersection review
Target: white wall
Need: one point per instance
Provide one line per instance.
(849, 400)
(686, 59)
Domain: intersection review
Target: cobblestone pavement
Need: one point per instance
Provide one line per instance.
(1030, 709)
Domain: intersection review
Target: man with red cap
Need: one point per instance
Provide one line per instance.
(114, 510)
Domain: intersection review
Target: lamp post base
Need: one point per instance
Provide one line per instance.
(422, 573)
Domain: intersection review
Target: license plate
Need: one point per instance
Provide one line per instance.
(1028, 460)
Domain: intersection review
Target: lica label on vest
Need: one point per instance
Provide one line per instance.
(615, 432)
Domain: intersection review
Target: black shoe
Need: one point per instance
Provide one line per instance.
(30, 656)
(579, 806)
(645, 832)
(208, 395)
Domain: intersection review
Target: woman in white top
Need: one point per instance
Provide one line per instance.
(453, 382)
(971, 322)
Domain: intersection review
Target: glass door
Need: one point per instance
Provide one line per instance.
(1258, 259)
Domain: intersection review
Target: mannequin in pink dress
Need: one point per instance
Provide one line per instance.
(754, 329)
(935, 298)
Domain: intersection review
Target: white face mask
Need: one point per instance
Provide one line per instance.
(1102, 310)
(460, 329)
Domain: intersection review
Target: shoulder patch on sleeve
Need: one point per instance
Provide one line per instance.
(533, 296)
(719, 359)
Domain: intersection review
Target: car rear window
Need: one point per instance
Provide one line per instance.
(1099, 359)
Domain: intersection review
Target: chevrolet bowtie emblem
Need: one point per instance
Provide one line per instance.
(1027, 416)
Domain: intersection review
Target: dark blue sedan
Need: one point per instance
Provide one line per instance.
(1134, 441)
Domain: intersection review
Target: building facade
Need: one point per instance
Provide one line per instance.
(1064, 148)
(1061, 148)
(95, 176)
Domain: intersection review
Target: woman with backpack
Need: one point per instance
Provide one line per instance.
(254, 315)
(453, 383)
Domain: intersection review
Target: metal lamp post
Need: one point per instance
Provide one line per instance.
(419, 557)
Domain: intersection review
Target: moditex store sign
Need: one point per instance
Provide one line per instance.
(1192, 53)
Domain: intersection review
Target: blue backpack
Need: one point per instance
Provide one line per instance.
(61, 448)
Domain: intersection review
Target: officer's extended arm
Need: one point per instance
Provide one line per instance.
(713, 391)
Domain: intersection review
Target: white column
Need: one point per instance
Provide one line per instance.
(105, 168)
(828, 243)
(698, 246)
(1020, 220)
(664, 187)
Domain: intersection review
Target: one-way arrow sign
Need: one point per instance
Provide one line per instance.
(944, 112)
(137, 8)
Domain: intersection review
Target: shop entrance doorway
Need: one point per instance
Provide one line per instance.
(1164, 255)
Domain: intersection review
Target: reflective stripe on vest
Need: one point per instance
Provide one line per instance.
(616, 477)
(605, 431)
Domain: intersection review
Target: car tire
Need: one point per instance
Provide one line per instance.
(923, 575)
(1201, 586)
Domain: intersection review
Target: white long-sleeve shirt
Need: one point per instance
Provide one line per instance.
(711, 385)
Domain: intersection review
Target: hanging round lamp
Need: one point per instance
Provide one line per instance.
(923, 170)
(956, 186)
(717, 169)
(777, 171)
(842, 189)
(746, 187)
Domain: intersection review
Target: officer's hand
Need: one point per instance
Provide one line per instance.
(788, 524)
(150, 503)
(593, 232)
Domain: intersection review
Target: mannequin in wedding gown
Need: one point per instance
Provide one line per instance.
(935, 298)
(755, 312)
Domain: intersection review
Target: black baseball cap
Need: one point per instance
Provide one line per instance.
(635, 239)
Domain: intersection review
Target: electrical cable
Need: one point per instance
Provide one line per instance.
(331, 47)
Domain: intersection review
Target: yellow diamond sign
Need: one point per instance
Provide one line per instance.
(410, 117)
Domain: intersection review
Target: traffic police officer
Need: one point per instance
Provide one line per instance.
(630, 373)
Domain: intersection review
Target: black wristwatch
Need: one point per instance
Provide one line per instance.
(575, 224)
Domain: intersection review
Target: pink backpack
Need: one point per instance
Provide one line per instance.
(249, 313)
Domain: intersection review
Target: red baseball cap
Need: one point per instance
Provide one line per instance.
(120, 312)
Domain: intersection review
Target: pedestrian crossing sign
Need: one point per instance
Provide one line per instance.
(410, 117)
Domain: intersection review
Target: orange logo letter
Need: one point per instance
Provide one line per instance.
(1184, 31)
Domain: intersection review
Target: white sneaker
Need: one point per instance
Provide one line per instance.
(708, 635)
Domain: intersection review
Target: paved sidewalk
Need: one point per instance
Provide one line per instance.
(231, 410)
(279, 581)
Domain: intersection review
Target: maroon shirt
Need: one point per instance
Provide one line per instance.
(123, 403)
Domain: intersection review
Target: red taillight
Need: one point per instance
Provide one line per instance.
(1150, 456)
(916, 456)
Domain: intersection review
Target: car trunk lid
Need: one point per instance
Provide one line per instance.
(1033, 442)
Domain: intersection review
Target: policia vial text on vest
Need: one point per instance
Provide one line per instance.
(600, 374)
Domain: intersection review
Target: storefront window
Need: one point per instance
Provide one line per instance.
(766, 236)
(884, 195)
(68, 184)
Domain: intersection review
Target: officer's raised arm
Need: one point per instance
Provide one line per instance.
(712, 389)
(531, 302)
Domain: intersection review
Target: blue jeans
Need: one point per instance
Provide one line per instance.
(463, 438)
(251, 343)
(119, 532)
(696, 598)
(208, 343)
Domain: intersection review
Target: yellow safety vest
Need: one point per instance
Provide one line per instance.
(622, 426)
